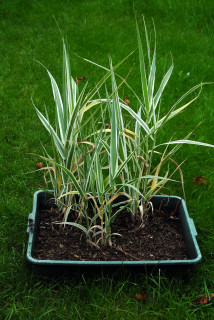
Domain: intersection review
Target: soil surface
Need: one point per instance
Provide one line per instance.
(159, 239)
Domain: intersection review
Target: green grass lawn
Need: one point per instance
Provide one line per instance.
(96, 29)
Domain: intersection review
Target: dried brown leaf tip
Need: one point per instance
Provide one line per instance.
(81, 79)
(126, 100)
(39, 165)
(205, 299)
(140, 296)
(200, 180)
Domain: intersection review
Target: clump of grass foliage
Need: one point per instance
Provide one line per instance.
(96, 157)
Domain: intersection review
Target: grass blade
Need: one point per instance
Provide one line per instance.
(142, 70)
(50, 129)
(202, 144)
(137, 118)
(162, 86)
(59, 106)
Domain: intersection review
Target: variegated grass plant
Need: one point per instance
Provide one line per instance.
(75, 166)
(134, 150)
(147, 125)
(110, 160)
(67, 134)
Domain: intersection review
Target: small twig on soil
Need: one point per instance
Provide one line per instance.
(176, 207)
(123, 229)
(76, 256)
(126, 253)
(159, 209)
(93, 244)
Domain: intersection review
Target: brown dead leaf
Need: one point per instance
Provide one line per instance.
(205, 299)
(126, 99)
(107, 125)
(81, 79)
(200, 180)
(39, 165)
(140, 296)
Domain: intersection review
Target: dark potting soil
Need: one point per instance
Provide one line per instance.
(159, 239)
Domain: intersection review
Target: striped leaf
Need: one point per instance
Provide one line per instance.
(202, 144)
(142, 70)
(73, 179)
(59, 106)
(138, 119)
(50, 129)
(162, 86)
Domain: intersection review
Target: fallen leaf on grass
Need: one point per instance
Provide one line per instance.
(126, 99)
(140, 296)
(39, 165)
(31, 185)
(200, 180)
(205, 299)
(81, 79)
